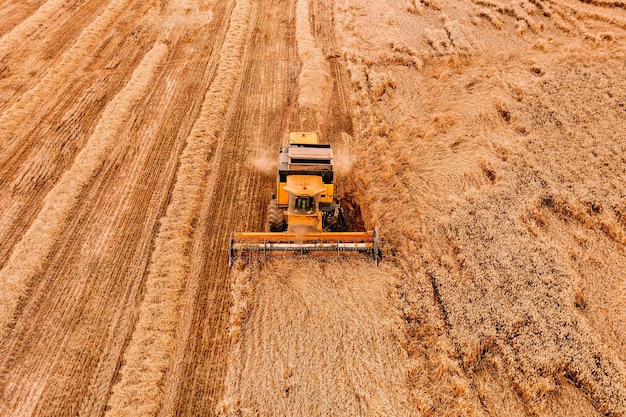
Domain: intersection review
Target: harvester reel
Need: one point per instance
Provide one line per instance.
(318, 245)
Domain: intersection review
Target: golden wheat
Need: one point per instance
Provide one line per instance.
(30, 254)
(75, 57)
(314, 80)
(21, 33)
(322, 338)
(505, 302)
(147, 357)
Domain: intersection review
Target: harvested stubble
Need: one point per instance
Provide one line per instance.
(22, 32)
(149, 351)
(75, 57)
(31, 252)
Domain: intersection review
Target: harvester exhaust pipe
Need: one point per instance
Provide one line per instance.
(327, 245)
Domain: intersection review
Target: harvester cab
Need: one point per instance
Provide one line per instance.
(303, 206)
(305, 191)
(305, 217)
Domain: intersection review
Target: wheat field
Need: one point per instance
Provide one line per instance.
(486, 139)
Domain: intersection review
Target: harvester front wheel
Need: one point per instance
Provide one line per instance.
(334, 220)
(277, 218)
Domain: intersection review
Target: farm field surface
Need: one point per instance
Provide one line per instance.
(486, 139)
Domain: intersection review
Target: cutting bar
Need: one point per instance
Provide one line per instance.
(322, 245)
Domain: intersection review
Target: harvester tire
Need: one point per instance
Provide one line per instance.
(334, 221)
(277, 218)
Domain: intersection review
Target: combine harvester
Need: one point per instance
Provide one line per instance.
(305, 218)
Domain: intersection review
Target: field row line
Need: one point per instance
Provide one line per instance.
(58, 76)
(314, 81)
(21, 33)
(32, 250)
(147, 357)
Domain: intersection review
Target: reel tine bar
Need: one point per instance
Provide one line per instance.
(337, 245)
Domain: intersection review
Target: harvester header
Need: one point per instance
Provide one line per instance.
(326, 245)
(305, 217)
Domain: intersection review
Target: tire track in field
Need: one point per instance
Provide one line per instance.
(148, 353)
(14, 116)
(30, 253)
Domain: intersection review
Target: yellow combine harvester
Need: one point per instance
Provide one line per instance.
(305, 218)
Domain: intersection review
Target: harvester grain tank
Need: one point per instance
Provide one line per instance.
(305, 217)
